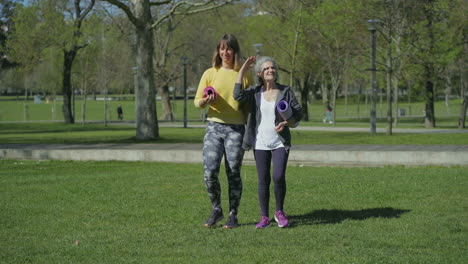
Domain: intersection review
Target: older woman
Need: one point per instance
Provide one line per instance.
(268, 132)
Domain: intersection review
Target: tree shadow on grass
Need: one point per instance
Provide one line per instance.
(335, 216)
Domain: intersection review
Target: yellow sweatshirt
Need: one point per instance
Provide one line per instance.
(225, 109)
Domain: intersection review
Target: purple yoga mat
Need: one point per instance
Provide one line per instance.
(284, 110)
(209, 90)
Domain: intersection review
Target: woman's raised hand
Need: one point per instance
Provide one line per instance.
(248, 63)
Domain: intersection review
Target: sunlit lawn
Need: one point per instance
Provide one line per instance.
(98, 133)
(137, 212)
(352, 114)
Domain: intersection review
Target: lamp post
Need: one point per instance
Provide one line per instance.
(372, 27)
(258, 48)
(184, 62)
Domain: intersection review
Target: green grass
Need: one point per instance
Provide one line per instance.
(137, 212)
(91, 133)
(353, 113)
(96, 133)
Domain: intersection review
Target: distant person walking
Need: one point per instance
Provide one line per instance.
(268, 132)
(328, 114)
(120, 112)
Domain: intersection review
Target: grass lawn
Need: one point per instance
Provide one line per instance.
(354, 114)
(137, 212)
(98, 133)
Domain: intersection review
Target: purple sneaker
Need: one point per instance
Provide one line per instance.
(264, 222)
(281, 219)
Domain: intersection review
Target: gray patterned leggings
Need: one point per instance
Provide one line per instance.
(223, 140)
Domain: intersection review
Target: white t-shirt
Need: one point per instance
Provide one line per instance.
(267, 138)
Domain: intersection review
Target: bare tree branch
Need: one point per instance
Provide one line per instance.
(202, 9)
(160, 3)
(173, 11)
(126, 9)
(87, 10)
(168, 14)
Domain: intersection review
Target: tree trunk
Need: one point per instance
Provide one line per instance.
(429, 117)
(166, 104)
(145, 94)
(334, 96)
(69, 57)
(305, 97)
(395, 100)
(448, 92)
(358, 104)
(395, 80)
(106, 119)
(336, 81)
(389, 85)
(410, 85)
(83, 110)
(294, 47)
(346, 90)
(464, 107)
(389, 105)
(324, 90)
(463, 89)
(159, 61)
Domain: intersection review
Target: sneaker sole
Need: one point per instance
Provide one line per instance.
(276, 219)
(230, 227)
(262, 227)
(217, 220)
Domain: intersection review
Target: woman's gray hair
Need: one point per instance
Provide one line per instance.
(258, 67)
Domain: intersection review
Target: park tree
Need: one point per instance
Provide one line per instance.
(337, 28)
(394, 26)
(140, 13)
(25, 49)
(70, 47)
(51, 23)
(288, 44)
(433, 47)
(105, 66)
(461, 61)
(7, 8)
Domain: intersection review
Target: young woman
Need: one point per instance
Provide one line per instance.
(268, 132)
(225, 129)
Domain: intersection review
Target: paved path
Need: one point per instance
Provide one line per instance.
(304, 128)
(312, 155)
(308, 155)
(349, 129)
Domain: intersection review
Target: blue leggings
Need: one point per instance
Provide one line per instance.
(263, 159)
(223, 140)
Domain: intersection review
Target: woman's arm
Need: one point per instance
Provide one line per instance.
(297, 110)
(239, 93)
(297, 113)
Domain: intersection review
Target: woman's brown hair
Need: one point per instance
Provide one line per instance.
(230, 41)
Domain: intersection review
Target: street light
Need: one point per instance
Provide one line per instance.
(184, 62)
(372, 27)
(258, 48)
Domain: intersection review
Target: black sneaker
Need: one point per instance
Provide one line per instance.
(232, 221)
(215, 217)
